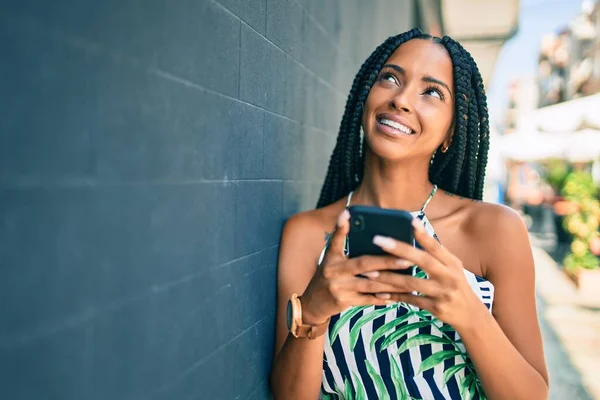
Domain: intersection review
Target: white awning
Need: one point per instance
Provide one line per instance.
(583, 145)
(569, 116)
(530, 146)
(533, 145)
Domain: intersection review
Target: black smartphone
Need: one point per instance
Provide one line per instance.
(366, 222)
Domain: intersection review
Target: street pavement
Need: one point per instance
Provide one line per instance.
(570, 326)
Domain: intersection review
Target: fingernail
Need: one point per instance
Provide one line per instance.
(418, 225)
(371, 274)
(384, 242)
(344, 216)
(404, 263)
(383, 295)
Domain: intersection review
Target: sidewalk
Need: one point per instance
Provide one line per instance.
(571, 331)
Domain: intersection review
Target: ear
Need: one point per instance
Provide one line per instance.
(449, 135)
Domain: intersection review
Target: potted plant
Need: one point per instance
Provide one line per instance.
(556, 174)
(582, 263)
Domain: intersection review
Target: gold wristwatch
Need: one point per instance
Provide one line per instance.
(294, 321)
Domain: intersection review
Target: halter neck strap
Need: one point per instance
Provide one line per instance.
(429, 198)
(422, 208)
(349, 198)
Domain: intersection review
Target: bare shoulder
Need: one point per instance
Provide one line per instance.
(305, 234)
(500, 234)
(495, 221)
(481, 219)
(311, 226)
(302, 241)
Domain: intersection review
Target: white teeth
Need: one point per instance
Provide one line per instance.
(396, 125)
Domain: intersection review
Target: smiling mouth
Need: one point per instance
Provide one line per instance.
(396, 126)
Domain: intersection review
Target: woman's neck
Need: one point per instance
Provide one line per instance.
(402, 187)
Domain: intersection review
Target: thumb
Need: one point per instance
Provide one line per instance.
(338, 240)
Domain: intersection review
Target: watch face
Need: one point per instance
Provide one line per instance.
(290, 315)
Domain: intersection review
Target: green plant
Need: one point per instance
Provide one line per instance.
(556, 173)
(579, 188)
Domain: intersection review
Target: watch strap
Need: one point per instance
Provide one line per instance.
(312, 331)
(300, 329)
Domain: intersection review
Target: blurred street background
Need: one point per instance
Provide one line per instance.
(151, 150)
(544, 103)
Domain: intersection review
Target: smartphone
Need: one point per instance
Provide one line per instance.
(366, 222)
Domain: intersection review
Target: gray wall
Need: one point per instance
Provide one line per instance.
(150, 152)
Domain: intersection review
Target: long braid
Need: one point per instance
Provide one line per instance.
(461, 84)
(471, 135)
(460, 170)
(341, 177)
(473, 146)
(479, 121)
(484, 129)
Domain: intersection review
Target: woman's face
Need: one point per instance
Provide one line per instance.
(409, 110)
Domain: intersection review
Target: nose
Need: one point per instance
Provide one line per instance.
(402, 101)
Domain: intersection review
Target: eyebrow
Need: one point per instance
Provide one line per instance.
(425, 78)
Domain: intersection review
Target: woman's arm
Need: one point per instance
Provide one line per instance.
(298, 362)
(326, 290)
(507, 351)
(507, 348)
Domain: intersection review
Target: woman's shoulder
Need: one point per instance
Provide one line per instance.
(311, 228)
(499, 233)
(303, 238)
(490, 218)
(480, 217)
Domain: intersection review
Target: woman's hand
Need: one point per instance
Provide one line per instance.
(337, 285)
(446, 294)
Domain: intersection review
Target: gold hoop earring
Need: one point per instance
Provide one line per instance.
(445, 149)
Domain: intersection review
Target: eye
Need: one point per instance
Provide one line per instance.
(434, 92)
(388, 77)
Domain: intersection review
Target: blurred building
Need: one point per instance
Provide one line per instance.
(569, 62)
(522, 100)
(569, 87)
(554, 116)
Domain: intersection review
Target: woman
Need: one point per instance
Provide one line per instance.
(358, 330)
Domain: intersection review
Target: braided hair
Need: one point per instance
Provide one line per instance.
(460, 170)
